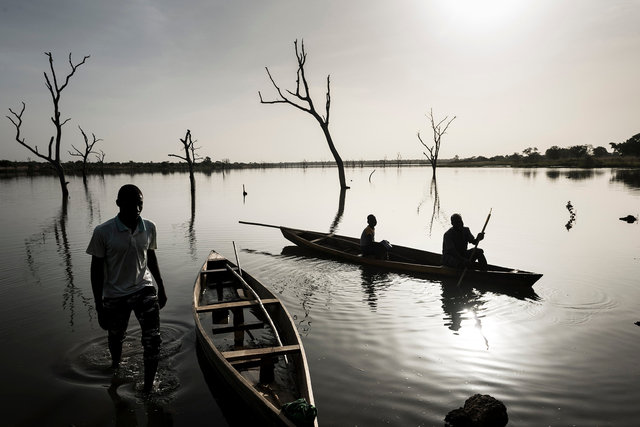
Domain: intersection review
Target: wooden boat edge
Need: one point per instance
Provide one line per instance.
(240, 384)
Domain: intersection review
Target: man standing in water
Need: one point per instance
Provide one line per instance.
(454, 246)
(122, 266)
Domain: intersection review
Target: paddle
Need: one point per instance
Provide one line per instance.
(264, 310)
(473, 252)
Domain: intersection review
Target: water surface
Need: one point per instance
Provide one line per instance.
(383, 348)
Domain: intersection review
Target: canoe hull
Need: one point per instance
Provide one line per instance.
(240, 371)
(409, 260)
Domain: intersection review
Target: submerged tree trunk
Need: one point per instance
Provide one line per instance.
(189, 157)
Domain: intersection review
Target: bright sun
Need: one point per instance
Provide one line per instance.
(481, 14)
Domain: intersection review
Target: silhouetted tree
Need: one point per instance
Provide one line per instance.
(53, 153)
(189, 156)
(88, 149)
(578, 151)
(439, 129)
(631, 147)
(306, 104)
(600, 152)
(531, 155)
(100, 158)
(554, 152)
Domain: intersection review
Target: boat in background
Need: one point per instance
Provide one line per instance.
(404, 259)
(408, 260)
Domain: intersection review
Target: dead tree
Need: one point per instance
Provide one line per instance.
(305, 103)
(190, 156)
(53, 152)
(439, 129)
(88, 149)
(100, 158)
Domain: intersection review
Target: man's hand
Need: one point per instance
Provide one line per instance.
(102, 318)
(480, 236)
(162, 297)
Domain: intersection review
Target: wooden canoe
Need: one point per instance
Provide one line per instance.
(266, 369)
(408, 260)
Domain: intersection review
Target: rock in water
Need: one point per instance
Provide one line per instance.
(629, 218)
(480, 410)
(486, 411)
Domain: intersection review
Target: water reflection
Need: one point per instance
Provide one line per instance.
(458, 303)
(305, 291)
(455, 302)
(125, 409)
(191, 231)
(574, 174)
(435, 212)
(340, 212)
(629, 177)
(373, 281)
(234, 411)
(57, 229)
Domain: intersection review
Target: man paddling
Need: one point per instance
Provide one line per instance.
(123, 263)
(454, 246)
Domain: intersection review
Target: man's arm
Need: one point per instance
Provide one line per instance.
(152, 263)
(97, 283)
(474, 240)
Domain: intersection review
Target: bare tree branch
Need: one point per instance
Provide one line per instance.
(302, 100)
(189, 156)
(17, 122)
(438, 132)
(53, 149)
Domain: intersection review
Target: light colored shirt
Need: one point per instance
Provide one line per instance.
(125, 255)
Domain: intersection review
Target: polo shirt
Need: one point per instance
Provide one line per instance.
(125, 255)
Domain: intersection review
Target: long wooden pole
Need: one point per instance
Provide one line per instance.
(257, 297)
(259, 224)
(473, 252)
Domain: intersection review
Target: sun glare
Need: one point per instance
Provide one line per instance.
(478, 15)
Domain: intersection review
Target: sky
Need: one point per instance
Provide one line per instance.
(514, 73)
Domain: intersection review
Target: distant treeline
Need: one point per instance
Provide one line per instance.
(625, 154)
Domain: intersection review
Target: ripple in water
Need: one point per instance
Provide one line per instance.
(580, 308)
(89, 364)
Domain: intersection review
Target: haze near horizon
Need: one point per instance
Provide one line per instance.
(516, 74)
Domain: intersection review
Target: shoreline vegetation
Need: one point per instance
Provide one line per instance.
(17, 168)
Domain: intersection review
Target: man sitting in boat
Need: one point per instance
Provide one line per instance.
(368, 245)
(454, 246)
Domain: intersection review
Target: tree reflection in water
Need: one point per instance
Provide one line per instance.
(35, 243)
(340, 212)
(629, 177)
(436, 213)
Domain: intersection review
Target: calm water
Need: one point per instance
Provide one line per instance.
(383, 348)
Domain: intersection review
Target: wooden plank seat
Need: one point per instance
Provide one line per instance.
(234, 304)
(234, 328)
(259, 353)
(218, 270)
